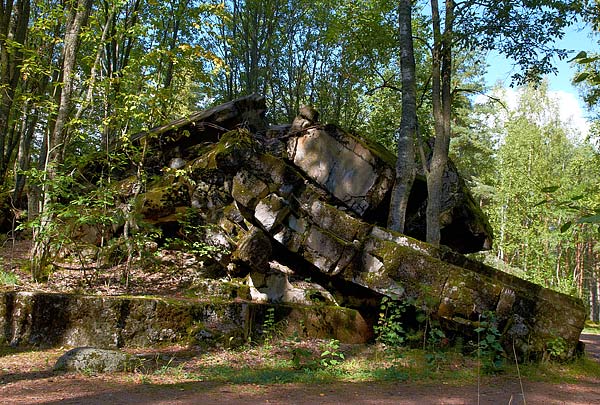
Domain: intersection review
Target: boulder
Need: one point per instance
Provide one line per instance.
(93, 360)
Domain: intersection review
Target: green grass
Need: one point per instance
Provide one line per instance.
(556, 372)
(273, 365)
(8, 278)
(592, 327)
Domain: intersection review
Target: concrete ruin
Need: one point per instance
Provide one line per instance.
(298, 212)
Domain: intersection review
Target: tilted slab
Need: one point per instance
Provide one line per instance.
(528, 315)
(361, 174)
(457, 291)
(344, 166)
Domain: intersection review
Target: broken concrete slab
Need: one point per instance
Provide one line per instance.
(361, 174)
(343, 165)
(45, 319)
(318, 202)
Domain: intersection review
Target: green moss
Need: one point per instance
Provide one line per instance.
(230, 143)
(592, 328)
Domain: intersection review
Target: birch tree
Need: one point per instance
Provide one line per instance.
(58, 132)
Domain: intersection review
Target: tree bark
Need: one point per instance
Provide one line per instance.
(77, 19)
(442, 103)
(14, 20)
(56, 146)
(405, 165)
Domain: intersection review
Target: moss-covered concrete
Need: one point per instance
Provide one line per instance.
(318, 201)
(45, 319)
(528, 315)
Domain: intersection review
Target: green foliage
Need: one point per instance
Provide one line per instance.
(588, 76)
(331, 356)
(302, 358)
(522, 32)
(488, 348)
(435, 344)
(543, 192)
(269, 327)
(556, 349)
(8, 278)
(389, 330)
(80, 219)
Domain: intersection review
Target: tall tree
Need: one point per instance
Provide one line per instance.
(405, 163)
(58, 132)
(441, 97)
(522, 31)
(14, 21)
(543, 180)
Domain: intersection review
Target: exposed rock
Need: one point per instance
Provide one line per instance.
(254, 250)
(306, 118)
(343, 166)
(90, 359)
(179, 139)
(529, 315)
(45, 319)
(275, 286)
(360, 174)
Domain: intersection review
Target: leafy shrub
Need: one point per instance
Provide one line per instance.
(488, 347)
(389, 329)
(269, 326)
(556, 349)
(331, 355)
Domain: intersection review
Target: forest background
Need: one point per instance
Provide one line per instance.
(80, 76)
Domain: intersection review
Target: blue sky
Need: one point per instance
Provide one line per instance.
(577, 38)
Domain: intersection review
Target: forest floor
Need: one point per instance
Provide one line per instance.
(259, 374)
(26, 377)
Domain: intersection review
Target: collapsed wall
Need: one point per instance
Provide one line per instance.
(300, 211)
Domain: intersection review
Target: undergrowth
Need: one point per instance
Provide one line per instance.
(275, 364)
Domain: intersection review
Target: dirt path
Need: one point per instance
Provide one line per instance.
(77, 390)
(35, 383)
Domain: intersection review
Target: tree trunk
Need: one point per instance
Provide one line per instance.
(442, 103)
(77, 19)
(14, 20)
(24, 154)
(405, 165)
(56, 146)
